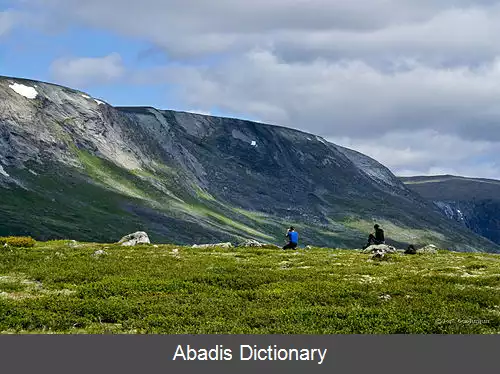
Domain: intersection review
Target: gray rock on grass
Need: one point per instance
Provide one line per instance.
(256, 244)
(428, 249)
(378, 255)
(139, 237)
(251, 243)
(222, 245)
(380, 248)
(99, 253)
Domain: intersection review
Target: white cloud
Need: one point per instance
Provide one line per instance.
(427, 152)
(422, 119)
(412, 83)
(436, 30)
(85, 71)
(347, 98)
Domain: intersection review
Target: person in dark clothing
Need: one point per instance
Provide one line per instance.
(293, 238)
(376, 237)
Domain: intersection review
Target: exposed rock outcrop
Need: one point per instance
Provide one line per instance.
(256, 244)
(99, 253)
(428, 249)
(380, 248)
(251, 243)
(139, 237)
(221, 245)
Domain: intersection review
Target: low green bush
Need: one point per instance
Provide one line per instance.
(18, 241)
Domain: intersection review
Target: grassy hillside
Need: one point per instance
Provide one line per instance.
(57, 288)
(103, 202)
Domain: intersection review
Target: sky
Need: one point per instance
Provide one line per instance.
(414, 84)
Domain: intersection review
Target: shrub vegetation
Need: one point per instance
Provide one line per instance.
(18, 241)
(57, 288)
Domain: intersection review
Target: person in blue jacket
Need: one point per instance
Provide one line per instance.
(293, 238)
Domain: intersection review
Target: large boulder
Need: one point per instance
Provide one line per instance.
(378, 255)
(428, 249)
(251, 243)
(257, 244)
(222, 245)
(139, 237)
(380, 248)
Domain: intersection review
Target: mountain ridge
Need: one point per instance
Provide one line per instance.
(473, 202)
(83, 167)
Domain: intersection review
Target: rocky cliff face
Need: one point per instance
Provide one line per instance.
(73, 166)
(472, 202)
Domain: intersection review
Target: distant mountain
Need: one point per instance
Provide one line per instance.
(72, 166)
(473, 202)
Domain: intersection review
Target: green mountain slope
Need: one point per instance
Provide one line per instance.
(76, 167)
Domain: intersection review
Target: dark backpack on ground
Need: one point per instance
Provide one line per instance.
(411, 250)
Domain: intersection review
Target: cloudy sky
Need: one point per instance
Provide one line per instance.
(413, 83)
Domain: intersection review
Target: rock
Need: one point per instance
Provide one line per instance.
(139, 237)
(257, 244)
(72, 243)
(98, 253)
(309, 247)
(385, 297)
(411, 250)
(175, 253)
(378, 255)
(222, 245)
(429, 249)
(251, 243)
(155, 246)
(381, 247)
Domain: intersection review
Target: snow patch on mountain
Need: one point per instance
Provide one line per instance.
(321, 140)
(26, 91)
(99, 102)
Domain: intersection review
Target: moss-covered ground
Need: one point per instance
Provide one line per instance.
(56, 287)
